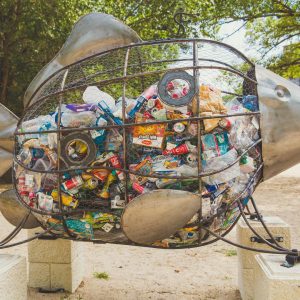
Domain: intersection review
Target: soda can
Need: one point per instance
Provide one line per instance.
(147, 115)
(72, 183)
(101, 174)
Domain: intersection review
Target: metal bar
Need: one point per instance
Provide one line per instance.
(150, 43)
(119, 79)
(27, 240)
(140, 174)
(199, 160)
(256, 233)
(263, 222)
(15, 232)
(58, 159)
(78, 211)
(248, 248)
(124, 121)
(108, 71)
(190, 119)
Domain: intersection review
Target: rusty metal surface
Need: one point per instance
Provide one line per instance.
(279, 101)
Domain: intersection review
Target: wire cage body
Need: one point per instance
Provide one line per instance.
(174, 115)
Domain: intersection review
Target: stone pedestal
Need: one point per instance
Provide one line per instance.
(246, 259)
(13, 277)
(56, 264)
(274, 282)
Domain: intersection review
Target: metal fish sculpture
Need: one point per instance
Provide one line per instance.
(159, 143)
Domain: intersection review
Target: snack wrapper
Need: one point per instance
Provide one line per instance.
(151, 135)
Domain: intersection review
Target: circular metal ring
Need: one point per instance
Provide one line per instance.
(83, 137)
(163, 92)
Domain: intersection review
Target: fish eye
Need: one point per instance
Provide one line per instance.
(282, 92)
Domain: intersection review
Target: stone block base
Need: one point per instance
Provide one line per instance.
(246, 259)
(274, 282)
(56, 264)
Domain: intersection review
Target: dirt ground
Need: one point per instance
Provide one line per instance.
(203, 273)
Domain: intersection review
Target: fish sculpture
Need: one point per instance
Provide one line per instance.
(153, 143)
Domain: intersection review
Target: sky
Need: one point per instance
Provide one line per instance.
(237, 40)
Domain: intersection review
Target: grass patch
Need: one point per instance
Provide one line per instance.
(230, 253)
(101, 275)
(227, 252)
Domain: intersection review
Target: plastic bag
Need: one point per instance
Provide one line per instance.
(79, 119)
(211, 103)
(219, 163)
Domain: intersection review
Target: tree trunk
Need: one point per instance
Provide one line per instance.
(5, 73)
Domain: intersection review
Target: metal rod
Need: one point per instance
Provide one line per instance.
(153, 62)
(263, 222)
(15, 232)
(248, 248)
(190, 119)
(149, 73)
(256, 233)
(124, 121)
(58, 160)
(140, 174)
(150, 43)
(27, 240)
(199, 160)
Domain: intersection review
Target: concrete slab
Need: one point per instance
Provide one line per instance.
(274, 282)
(13, 277)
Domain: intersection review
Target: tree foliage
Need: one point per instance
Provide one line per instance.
(272, 26)
(32, 31)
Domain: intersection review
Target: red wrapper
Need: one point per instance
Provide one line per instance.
(182, 149)
(72, 183)
(115, 163)
(138, 188)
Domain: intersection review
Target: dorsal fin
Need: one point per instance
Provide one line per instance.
(93, 33)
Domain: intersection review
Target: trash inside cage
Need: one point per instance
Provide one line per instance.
(155, 144)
